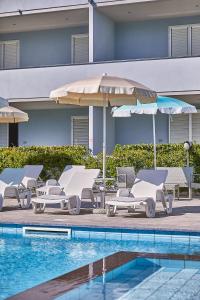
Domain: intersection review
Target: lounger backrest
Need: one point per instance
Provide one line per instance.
(148, 182)
(178, 175)
(125, 176)
(68, 173)
(12, 176)
(33, 171)
(83, 179)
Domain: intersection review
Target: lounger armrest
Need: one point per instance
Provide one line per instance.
(55, 190)
(31, 183)
(52, 182)
(123, 193)
(87, 194)
(160, 195)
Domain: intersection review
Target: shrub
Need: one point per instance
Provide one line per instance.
(55, 159)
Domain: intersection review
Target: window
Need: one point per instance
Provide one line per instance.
(184, 40)
(9, 54)
(80, 48)
(4, 135)
(184, 128)
(80, 130)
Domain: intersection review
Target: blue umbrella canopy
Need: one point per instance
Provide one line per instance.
(165, 105)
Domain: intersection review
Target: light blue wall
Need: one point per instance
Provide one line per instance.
(97, 133)
(46, 47)
(48, 127)
(103, 36)
(146, 39)
(138, 129)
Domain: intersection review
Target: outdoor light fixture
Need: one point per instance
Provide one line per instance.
(92, 2)
(187, 146)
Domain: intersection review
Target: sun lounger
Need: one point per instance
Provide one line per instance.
(62, 181)
(178, 177)
(69, 197)
(148, 188)
(31, 176)
(11, 186)
(125, 177)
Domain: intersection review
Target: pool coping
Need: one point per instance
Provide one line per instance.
(139, 229)
(60, 285)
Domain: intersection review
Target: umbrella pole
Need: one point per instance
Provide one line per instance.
(104, 144)
(154, 142)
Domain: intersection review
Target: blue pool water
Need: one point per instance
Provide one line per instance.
(28, 261)
(143, 279)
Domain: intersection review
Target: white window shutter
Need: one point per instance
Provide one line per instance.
(1, 55)
(195, 40)
(80, 49)
(196, 128)
(179, 41)
(11, 54)
(80, 131)
(179, 129)
(3, 135)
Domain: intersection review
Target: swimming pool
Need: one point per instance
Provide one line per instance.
(26, 261)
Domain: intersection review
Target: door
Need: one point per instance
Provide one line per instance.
(13, 135)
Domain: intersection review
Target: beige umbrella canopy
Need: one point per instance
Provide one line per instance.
(9, 114)
(103, 91)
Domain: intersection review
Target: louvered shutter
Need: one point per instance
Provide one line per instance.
(196, 128)
(1, 56)
(3, 135)
(80, 49)
(195, 40)
(179, 41)
(11, 54)
(80, 131)
(179, 129)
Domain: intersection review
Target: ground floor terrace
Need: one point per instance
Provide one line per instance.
(52, 124)
(185, 217)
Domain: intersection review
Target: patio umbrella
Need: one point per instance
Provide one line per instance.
(165, 105)
(9, 114)
(103, 91)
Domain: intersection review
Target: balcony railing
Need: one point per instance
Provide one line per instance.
(177, 75)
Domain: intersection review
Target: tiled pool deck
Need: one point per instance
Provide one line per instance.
(186, 217)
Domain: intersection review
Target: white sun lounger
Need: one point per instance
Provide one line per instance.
(147, 189)
(62, 181)
(11, 186)
(78, 188)
(31, 176)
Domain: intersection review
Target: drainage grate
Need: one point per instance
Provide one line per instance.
(46, 231)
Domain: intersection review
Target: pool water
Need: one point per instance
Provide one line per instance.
(26, 261)
(144, 279)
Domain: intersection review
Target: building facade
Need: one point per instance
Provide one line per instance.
(47, 43)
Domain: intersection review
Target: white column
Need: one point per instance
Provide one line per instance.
(104, 143)
(190, 128)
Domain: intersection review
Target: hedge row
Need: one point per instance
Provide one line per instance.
(54, 159)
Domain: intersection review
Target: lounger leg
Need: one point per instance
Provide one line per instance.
(1, 202)
(110, 210)
(150, 209)
(38, 207)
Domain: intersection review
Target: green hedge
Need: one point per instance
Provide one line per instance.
(54, 159)
(141, 156)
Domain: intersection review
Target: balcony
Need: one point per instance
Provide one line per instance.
(169, 76)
